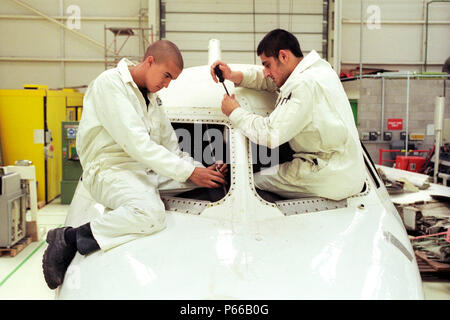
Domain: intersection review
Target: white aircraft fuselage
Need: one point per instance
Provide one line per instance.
(242, 246)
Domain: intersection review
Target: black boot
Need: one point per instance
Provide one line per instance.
(57, 257)
(63, 244)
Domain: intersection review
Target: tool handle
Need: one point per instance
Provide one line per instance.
(218, 73)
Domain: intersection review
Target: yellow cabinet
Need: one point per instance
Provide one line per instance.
(30, 129)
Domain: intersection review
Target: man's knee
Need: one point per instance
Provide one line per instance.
(148, 220)
(260, 180)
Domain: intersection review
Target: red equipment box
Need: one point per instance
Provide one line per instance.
(409, 163)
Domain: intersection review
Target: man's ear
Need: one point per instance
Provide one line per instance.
(283, 56)
(149, 60)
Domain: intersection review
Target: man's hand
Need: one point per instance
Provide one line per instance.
(207, 177)
(226, 71)
(229, 104)
(220, 167)
(228, 74)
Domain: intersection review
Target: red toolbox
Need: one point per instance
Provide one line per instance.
(409, 163)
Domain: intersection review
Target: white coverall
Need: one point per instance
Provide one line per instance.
(128, 153)
(314, 115)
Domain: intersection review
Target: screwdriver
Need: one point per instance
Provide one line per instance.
(219, 75)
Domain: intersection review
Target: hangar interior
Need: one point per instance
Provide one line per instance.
(390, 55)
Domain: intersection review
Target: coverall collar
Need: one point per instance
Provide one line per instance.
(126, 77)
(306, 62)
(125, 74)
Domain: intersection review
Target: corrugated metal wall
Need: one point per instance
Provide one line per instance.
(398, 40)
(240, 25)
(35, 50)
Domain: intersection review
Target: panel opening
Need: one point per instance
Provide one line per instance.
(263, 158)
(206, 143)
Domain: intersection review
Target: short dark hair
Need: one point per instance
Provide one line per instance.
(277, 40)
(162, 50)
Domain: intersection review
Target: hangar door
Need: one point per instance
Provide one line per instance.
(240, 25)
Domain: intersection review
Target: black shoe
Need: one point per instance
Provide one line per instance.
(57, 257)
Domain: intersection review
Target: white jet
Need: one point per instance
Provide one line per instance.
(242, 246)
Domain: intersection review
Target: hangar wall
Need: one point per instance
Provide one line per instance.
(394, 34)
(373, 113)
(66, 59)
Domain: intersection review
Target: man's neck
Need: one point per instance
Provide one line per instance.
(144, 93)
(138, 75)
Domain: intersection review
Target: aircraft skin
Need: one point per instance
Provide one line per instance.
(243, 247)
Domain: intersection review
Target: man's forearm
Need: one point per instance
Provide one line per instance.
(236, 77)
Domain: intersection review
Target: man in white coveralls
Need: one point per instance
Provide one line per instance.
(128, 151)
(312, 113)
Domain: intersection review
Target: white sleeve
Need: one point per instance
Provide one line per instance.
(170, 141)
(253, 78)
(120, 119)
(287, 120)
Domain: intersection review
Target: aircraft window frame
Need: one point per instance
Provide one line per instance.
(287, 207)
(302, 205)
(196, 206)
